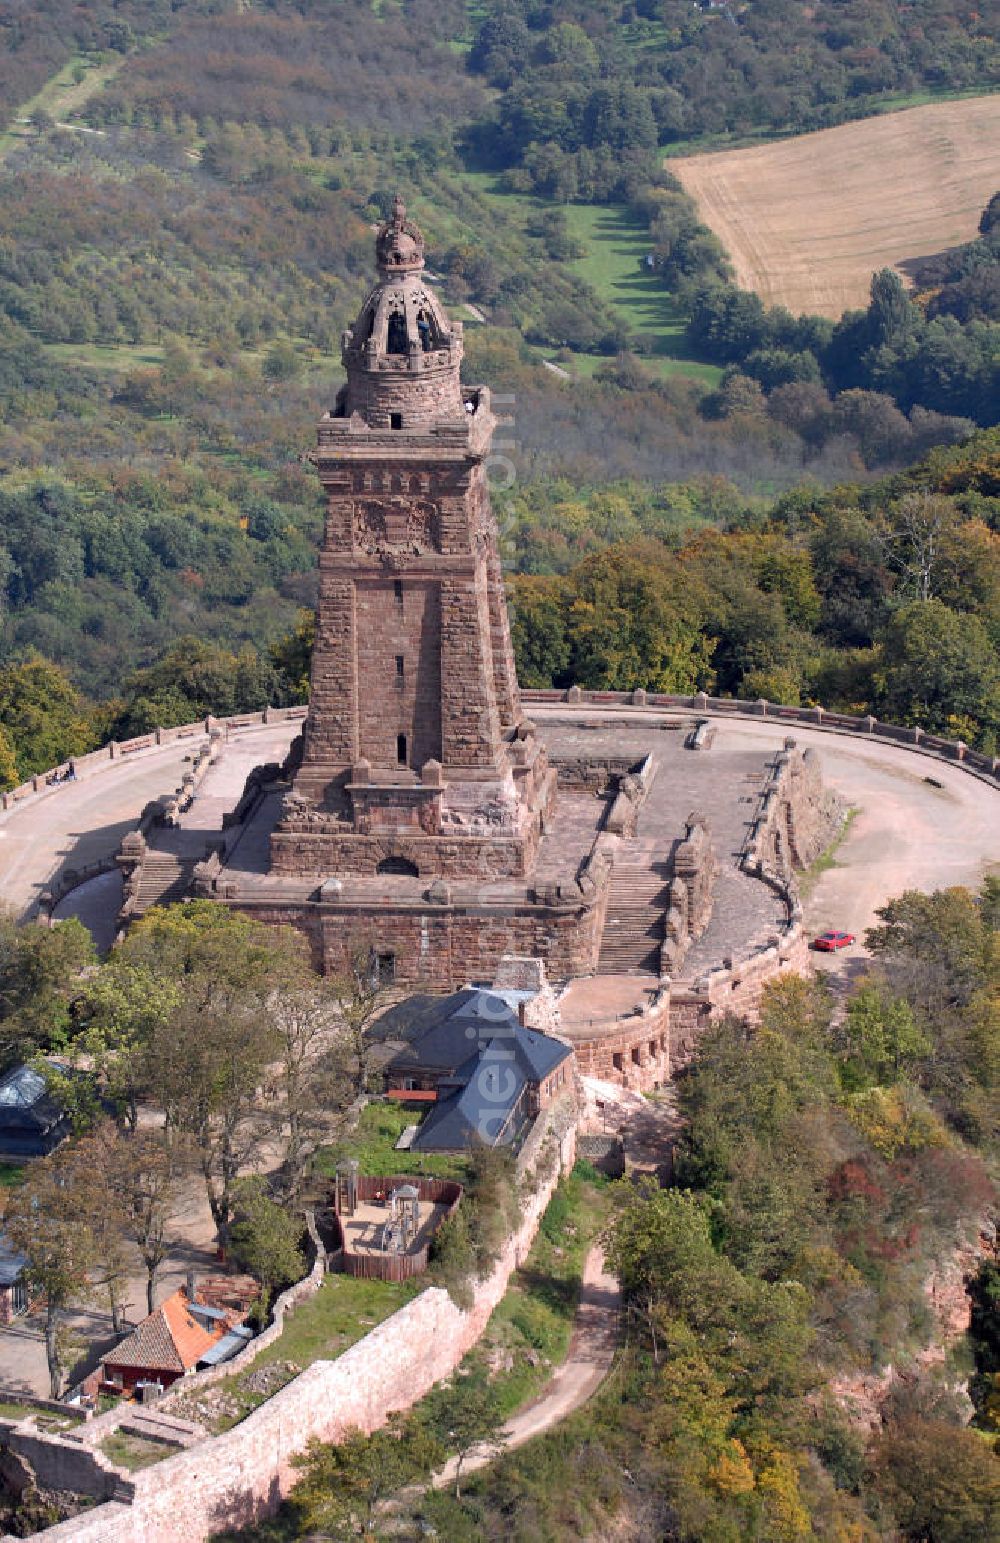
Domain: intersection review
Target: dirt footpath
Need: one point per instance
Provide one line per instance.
(591, 1353)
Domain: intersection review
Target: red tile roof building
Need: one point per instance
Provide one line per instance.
(184, 1330)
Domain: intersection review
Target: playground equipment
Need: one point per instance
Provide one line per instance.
(403, 1222)
(345, 1188)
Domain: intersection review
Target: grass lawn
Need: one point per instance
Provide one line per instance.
(660, 365)
(46, 1419)
(342, 1312)
(135, 1452)
(613, 266)
(373, 1143)
(106, 356)
(11, 1410)
(529, 1333)
(61, 95)
(11, 1174)
(120, 358)
(617, 246)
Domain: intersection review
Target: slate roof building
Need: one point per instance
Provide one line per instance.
(32, 1121)
(490, 1075)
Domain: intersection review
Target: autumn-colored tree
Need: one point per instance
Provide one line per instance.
(209, 1059)
(42, 971)
(117, 1012)
(939, 669)
(291, 656)
(635, 621)
(265, 1240)
(939, 1481)
(343, 1485)
(883, 1041)
(465, 1416)
(8, 762)
(147, 1172)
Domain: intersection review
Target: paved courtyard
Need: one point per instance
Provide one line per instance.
(921, 823)
(76, 823)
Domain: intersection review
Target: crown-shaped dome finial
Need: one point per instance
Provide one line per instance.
(399, 245)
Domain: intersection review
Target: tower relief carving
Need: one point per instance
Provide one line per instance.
(396, 525)
(413, 665)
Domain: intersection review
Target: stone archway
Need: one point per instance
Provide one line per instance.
(398, 865)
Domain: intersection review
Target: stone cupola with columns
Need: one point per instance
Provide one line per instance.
(403, 355)
(415, 758)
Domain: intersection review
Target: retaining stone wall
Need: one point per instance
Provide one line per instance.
(58, 1463)
(443, 947)
(98, 761)
(241, 1476)
(634, 1052)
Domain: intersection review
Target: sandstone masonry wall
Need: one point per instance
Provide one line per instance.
(239, 1477)
(444, 943)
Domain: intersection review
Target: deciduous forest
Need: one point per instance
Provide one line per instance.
(183, 240)
(710, 495)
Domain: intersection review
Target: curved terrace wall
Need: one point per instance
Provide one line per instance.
(954, 751)
(735, 983)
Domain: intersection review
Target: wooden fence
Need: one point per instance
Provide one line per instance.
(394, 1267)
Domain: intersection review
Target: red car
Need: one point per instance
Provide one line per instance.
(829, 942)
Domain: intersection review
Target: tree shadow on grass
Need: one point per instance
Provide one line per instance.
(558, 1295)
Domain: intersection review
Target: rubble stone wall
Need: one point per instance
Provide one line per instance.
(446, 946)
(56, 1463)
(736, 988)
(799, 816)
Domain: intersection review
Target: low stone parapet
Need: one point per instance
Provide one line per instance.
(986, 767)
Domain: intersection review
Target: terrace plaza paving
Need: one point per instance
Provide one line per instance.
(908, 833)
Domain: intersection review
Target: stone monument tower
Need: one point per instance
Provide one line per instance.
(414, 759)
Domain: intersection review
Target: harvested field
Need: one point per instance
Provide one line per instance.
(807, 221)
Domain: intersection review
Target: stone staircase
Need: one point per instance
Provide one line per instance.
(157, 1425)
(633, 925)
(164, 877)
